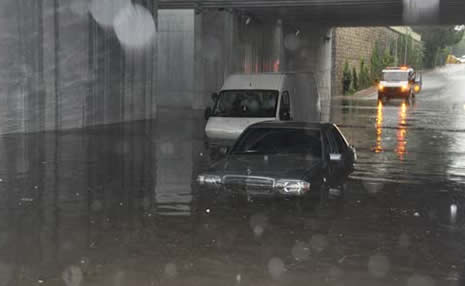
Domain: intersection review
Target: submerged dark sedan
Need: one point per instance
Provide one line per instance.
(291, 159)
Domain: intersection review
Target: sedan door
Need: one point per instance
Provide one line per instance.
(347, 154)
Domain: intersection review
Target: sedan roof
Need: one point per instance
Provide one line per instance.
(291, 125)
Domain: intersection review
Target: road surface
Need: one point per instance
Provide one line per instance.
(114, 205)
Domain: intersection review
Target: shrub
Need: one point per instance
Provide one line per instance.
(346, 78)
(355, 84)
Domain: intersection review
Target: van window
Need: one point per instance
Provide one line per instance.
(246, 103)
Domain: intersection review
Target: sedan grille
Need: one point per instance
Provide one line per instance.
(248, 182)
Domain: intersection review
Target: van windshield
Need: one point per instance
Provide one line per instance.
(395, 76)
(246, 103)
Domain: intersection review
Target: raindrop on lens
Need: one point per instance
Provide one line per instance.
(171, 270)
(134, 27)
(379, 265)
(420, 280)
(276, 267)
(300, 251)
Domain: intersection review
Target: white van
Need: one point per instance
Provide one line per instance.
(246, 99)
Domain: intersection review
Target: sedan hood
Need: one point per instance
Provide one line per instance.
(277, 166)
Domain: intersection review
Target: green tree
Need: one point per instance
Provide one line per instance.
(346, 78)
(355, 84)
(364, 75)
(459, 49)
(437, 42)
(380, 59)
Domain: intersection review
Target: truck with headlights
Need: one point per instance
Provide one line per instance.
(399, 82)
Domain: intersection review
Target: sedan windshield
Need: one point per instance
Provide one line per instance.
(246, 103)
(395, 76)
(279, 141)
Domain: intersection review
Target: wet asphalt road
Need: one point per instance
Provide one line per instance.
(115, 205)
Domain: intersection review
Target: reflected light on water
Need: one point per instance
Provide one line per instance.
(379, 128)
(402, 132)
(453, 213)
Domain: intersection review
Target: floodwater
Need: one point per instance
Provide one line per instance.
(115, 206)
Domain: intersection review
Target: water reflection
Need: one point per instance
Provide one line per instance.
(401, 149)
(379, 128)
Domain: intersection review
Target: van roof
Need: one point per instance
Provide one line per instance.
(264, 81)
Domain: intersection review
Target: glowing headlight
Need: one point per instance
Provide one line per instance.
(405, 87)
(417, 88)
(209, 180)
(380, 87)
(292, 186)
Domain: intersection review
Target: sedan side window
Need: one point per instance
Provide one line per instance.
(340, 142)
(333, 148)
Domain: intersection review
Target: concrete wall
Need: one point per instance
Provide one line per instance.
(257, 47)
(311, 51)
(59, 69)
(226, 43)
(175, 58)
(356, 43)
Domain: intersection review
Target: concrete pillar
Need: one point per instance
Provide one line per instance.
(214, 32)
(308, 48)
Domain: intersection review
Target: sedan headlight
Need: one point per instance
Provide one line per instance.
(405, 87)
(209, 180)
(380, 87)
(297, 187)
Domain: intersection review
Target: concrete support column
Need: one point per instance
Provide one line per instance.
(308, 48)
(214, 37)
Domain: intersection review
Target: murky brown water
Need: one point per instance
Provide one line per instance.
(115, 206)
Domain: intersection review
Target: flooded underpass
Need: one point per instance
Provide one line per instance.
(115, 205)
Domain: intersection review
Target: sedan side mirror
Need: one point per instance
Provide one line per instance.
(335, 157)
(208, 113)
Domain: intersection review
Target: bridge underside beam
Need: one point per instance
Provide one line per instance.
(334, 12)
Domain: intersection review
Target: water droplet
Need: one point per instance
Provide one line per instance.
(79, 8)
(1, 180)
(420, 280)
(96, 206)
(6, 272)
(135, 27)
(404, 240)
(171, 270)
(121, 204)
(300, 251)
(146, 203)
(417, 214)
(207, 211)
(276, 267)
(212, 49)
(335, 273)
(378, 265)
(105, 11)
(258, 223)
(238, 278)
(258, 230)
(453, 213)
(291, 42)
(72, 276)
(318, 242)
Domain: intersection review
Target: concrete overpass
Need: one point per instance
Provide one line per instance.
(63, 66)
(338, 12)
